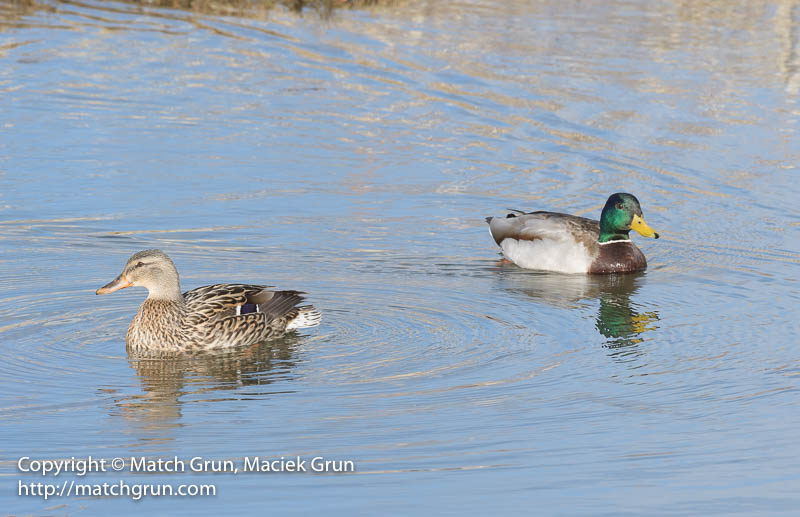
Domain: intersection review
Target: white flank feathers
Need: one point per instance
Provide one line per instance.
(564, 256)
(307, 317)
(551, 247)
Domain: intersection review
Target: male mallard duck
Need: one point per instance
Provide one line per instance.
(210, 317)
(572, 244)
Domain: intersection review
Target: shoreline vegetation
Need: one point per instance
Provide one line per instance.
(249, 8)
(243, 6)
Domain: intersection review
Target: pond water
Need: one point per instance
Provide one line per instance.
(354, 156)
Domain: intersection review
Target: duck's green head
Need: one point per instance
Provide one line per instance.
(622, 214)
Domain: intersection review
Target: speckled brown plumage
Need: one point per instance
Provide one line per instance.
(205, 318)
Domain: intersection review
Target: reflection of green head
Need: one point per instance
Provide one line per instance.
(622, 214)
(614, 319)
(620, 323)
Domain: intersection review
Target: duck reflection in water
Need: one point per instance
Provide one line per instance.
(168, 383)
(619, 320)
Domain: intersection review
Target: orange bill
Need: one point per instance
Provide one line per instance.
(115, 285)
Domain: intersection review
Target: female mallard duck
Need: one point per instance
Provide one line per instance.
(210, 317)
(572, 244)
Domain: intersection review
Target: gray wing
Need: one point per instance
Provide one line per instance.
(545, 225)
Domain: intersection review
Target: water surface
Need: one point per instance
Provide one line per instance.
(355, 157)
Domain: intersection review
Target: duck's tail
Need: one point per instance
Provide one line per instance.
(305, 317)
(509, 216)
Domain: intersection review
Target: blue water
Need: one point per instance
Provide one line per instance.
(355, 157)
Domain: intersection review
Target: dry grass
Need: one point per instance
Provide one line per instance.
(243, 7)
(248, 8)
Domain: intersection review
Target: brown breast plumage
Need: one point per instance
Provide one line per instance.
(618, 257)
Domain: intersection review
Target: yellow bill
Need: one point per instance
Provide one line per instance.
(642, 228)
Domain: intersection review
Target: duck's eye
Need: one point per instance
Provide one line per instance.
(619, 206)
(139, 264)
